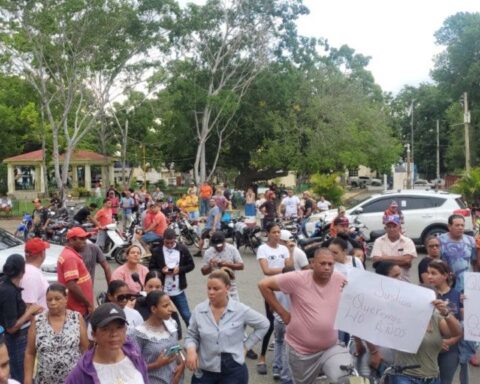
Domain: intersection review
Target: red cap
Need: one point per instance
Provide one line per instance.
(77, 232)
(35, 246)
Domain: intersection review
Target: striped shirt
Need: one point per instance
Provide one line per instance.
(70, 267)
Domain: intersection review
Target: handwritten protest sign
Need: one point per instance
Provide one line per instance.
(385, 311)
(472, 306)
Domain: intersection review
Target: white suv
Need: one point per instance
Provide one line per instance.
(425, 212)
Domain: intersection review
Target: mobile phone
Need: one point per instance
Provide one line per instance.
(173, 350)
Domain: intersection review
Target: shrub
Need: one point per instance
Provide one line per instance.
(327, 186)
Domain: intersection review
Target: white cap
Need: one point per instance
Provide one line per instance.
(286, 235)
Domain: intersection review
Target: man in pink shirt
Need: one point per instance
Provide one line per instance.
(312, 341)
(34, 284)
(103, 217)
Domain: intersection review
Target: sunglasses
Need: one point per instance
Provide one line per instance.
(126, 297)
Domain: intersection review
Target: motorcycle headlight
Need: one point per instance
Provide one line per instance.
(49, 268)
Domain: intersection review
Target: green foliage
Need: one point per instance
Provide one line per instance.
(469, 186)
(80, 192)
(327, 186)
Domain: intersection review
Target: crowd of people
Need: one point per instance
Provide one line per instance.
(55, 333)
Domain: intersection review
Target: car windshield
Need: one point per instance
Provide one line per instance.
(7, 240)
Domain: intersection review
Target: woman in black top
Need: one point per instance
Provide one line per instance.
(269, 209)
(14, 315)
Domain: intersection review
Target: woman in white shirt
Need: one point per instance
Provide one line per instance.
(344, 263)
(273, 258)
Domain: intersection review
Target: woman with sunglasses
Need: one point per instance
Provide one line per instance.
(432, 245)
(56, 340)
(158, 341)
(119, 293)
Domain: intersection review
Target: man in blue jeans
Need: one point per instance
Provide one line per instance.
(174, 261)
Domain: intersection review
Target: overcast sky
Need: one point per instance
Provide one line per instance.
(397, 34)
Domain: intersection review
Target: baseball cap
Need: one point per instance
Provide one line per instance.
(77, 232)
(285, 235)
(217, 239)
(105, 314)
(395, 219)
(341, 220)
(36, 246)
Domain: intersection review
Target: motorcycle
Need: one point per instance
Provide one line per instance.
(186, 231)
(115, 244)
(24, 228)
(247, 235)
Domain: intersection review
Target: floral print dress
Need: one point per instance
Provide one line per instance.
(57, 352)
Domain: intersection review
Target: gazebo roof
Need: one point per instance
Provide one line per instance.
(79, 156)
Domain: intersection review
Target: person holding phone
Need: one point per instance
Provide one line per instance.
(157, 340)
(174, 261)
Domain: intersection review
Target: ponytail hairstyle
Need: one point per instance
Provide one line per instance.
(221, 275)
(153, 298)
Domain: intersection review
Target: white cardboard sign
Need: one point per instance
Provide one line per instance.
(472, 306)
(384, 311)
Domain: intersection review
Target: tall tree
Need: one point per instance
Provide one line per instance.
(73, 52)
(227, 44)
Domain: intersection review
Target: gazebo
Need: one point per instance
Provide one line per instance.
(26, 172)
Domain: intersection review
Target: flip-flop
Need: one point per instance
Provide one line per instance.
(261, 368)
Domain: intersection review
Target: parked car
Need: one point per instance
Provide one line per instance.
(359, 181)
(422, 184)
(425, 212)
(9, 244)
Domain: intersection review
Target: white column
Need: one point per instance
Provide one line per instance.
(43, 187)
(74, 176)
(10, 179)
(111, 174)
(88, 177)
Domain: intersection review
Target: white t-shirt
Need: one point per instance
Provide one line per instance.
(275, 256)
(291, 205)
(34, 286)
(345, 269)
(172, 282)
(119, 373)
(300, 259)
(323, 205)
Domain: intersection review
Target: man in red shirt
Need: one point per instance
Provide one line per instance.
(103, 217)
(154, 224)
(72, 272)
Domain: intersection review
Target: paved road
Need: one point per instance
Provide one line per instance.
(249, 294)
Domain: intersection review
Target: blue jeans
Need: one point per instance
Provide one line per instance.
(448, 362)
(181, 303)
(16, 345)
(407, 379)
(204, 207)
(280, 353)
(230, 373)
(150, 237)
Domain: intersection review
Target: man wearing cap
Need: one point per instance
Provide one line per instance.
(395, 247)
(174, 261)
(222, 255)
(73, 273)
(34, 284)
(393, 210)
(341, 227)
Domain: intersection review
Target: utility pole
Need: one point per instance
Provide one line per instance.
(144, 167)
(466, 121)
(411, 139)
(409, 171)
(438, 150)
